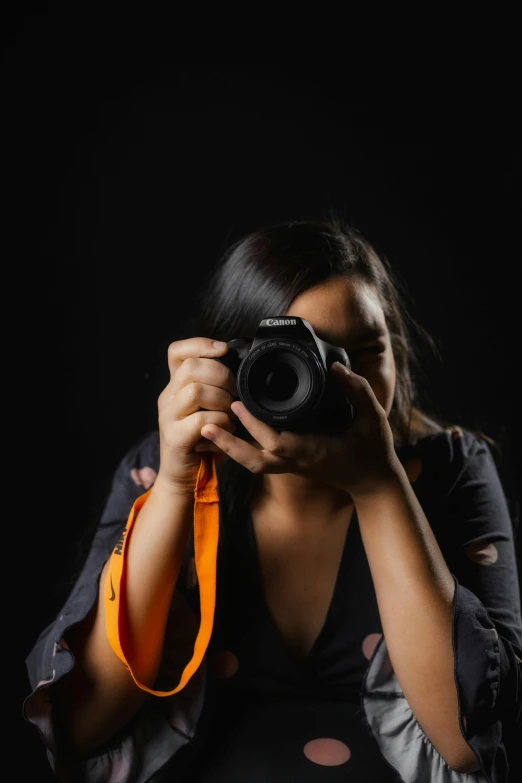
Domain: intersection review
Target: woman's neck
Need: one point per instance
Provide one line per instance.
(296, 500)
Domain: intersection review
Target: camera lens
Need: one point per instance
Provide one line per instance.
(279, 381)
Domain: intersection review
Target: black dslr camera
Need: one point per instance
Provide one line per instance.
(283, 379)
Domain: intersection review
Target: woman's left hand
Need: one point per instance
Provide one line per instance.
(359, 461)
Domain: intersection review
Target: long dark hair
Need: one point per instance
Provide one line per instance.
(261, 274)
(264, 271)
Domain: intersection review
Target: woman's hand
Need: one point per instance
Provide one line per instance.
(360, 461)
(199, 392)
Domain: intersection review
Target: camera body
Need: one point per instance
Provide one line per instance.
(282, 378)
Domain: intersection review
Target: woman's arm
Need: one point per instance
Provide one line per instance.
(415, 592)
(99, 696)
(423, 624)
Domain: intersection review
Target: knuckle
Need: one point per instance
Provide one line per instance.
(166, 398)
(227, 378)
(194, 392)
(172, 350)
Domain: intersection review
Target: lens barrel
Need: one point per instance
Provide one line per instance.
(281, 381)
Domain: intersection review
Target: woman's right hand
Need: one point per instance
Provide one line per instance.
(199, 392)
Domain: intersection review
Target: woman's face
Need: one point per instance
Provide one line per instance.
(347, 312)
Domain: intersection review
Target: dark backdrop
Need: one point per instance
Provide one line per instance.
(126, 175)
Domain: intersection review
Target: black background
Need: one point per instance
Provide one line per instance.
(127, 173)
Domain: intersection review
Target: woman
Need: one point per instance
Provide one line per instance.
(366, 616)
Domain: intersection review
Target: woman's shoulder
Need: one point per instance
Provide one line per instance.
(143, 451)
(443, 456)
(147, 445)
(138, 465)
(454, 442)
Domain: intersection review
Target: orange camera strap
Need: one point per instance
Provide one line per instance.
(206, 535)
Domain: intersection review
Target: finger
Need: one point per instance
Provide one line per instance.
(281, 444)
(358, 391)
(187, 432)
(200, 396)
(211, 448)
(204, 444)
(180, 350)
(254, 459)
(203, 370)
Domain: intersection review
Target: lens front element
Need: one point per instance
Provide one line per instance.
(279, 381)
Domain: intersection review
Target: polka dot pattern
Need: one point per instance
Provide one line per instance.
(143, 477)
(327, 752)
(482, 553)
(369, 644)
(323, 749)
(225, 664)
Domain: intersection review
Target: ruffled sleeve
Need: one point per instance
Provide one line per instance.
(487, 625)
(162, 727)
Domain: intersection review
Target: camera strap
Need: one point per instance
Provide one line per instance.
(206, 535)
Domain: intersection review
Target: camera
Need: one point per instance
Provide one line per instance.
(283, 379)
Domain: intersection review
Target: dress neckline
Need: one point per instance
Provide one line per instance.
(349, 547)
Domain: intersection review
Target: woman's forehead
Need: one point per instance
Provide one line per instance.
(342, 306)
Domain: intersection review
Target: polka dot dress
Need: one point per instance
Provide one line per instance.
(255, 712)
